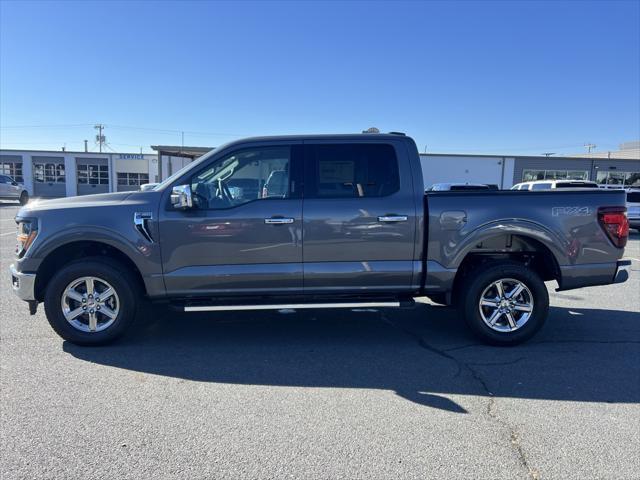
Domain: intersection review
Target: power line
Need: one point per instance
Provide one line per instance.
(47, 126)
(166, 130)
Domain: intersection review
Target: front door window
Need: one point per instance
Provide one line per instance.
(242, 177)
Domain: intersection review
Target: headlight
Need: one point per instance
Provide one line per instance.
(27, 233)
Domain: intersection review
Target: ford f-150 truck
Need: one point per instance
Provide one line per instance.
(324, 221)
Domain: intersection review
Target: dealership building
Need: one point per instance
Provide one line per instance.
(62, 173)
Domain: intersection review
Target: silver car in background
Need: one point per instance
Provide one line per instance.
(12, 190)
(633, 207)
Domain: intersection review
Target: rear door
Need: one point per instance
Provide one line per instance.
(359, 217)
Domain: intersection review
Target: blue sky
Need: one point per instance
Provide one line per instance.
(485, 77)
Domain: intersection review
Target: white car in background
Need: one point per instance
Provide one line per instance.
(554, 184)
(148, 186)
(12, 190)
(633, 207)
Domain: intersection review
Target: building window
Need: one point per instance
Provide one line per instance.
(93, 174)
(49, 173)
(532, 175)
(134, 179)
(14, 170)
(623, 179)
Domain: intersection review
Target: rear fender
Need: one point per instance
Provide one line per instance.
(459, 247)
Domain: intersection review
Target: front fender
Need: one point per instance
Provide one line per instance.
(134, 247)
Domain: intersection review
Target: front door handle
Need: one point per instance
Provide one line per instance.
(393, 218)
(278, 221)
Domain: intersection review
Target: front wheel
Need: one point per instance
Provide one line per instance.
(505, 304)
(91, 302)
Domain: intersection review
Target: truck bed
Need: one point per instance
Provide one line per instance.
(563, 223)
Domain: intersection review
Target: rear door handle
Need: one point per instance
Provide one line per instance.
(393, 218)
(278, 221)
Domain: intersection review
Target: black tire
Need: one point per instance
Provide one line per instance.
(110, 270)
(24, 198)
(473, 287)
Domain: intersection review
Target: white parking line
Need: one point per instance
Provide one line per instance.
(7, 233)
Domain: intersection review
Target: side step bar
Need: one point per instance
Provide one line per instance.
(292, 306)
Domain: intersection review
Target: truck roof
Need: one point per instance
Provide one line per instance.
(339, 136)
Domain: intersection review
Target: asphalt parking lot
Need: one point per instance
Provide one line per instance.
(324, 394)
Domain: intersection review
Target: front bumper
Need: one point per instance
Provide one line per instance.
(23, 284)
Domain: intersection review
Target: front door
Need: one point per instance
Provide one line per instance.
(244, 232)
(359, 218)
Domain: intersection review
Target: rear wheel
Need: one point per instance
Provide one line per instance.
(90, 302)
(506, 304)
(24, 198)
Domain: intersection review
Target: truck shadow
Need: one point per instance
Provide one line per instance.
(423, 354)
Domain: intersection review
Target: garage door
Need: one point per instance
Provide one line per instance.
(93, 175)
(49, 177)
(12, 165)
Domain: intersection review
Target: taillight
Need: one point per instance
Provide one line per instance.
(614, 222)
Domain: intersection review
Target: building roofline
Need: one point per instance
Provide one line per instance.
(60, 152)
(484, 155)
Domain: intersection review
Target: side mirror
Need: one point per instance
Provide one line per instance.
(14, 183)
(181, 198)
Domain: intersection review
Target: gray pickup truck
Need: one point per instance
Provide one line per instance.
(337, 221)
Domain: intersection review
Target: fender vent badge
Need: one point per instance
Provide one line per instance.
(140, 220)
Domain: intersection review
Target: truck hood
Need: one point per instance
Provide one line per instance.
(83, 201)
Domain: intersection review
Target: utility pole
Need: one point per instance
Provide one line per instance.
(100, 138)
(590, 146)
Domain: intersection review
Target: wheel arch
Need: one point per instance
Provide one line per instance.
(74, 250)
(529, 251)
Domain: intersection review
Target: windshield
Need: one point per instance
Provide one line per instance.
(183, 170)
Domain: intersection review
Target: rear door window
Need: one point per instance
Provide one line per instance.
(351, 170)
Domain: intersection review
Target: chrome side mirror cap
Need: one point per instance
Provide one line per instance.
(181, 197)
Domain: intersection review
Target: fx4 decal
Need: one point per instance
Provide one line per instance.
(571, 211)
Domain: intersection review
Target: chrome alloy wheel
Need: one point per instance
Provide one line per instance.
(506, 305)
(90, 304)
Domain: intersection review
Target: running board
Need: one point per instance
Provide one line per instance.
(290, 306)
